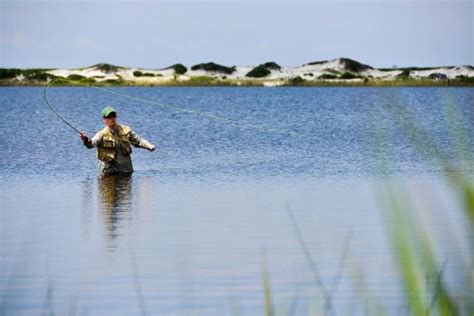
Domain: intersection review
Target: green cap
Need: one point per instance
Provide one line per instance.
(107, 110)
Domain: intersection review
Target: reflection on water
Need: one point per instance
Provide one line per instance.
(115, 201)
(197, 245)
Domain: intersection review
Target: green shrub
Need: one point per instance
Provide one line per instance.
(349, 75)
(327, 76)
(465, 79)
(113, 82)
(138, 73)
(316, 63)
(438, 76)
(107, 67)
(263, 70)
(309, 74)
(39, 76)
(258, 72)
(214, 67)
(6, 73)
(28, 72)
(75, 77)
(404, 75)
(179, 69)
(74, 80)
(36, 74)
(296, 81)
(353, 66)
(272, 65)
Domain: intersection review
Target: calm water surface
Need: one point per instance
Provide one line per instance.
(190, 232)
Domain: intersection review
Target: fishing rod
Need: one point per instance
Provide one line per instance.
(54, 110)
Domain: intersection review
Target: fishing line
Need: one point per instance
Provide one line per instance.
(56, 112)
(175, 108)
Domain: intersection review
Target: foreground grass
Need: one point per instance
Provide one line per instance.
(421, 268)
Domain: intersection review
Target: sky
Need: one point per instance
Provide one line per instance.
(156, 34)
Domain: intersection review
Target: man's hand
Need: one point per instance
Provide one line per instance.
(85, 139)
(83, 136)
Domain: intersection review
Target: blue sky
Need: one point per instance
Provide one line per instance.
(156, 34)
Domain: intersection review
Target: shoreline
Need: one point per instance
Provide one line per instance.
(341, 72)
(249, 83)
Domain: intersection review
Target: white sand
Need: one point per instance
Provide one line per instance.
(451, 73)
(306, 71)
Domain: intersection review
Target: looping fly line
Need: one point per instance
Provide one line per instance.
(165, 106)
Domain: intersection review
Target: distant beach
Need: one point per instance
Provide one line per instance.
(336, 72)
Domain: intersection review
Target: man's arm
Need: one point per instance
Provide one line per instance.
(140, 142)
(91, 142)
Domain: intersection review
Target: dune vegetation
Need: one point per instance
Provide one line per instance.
(337, 72)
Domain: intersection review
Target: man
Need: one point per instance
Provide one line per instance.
(113, 145)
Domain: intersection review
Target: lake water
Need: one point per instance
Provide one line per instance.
(194, 229)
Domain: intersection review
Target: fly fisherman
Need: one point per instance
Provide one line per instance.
(113, 145)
